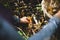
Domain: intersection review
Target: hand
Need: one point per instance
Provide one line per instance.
(57, 14)
(24, 20)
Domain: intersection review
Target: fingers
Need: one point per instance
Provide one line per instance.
(24, 20)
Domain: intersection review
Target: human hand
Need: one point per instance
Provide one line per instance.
(57, 14)
(24, 20)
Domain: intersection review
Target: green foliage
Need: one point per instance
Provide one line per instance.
(23, 34)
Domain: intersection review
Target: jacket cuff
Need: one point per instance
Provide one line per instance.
(56, 19)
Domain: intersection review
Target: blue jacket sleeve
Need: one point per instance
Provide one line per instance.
(47, 31)
(7, 32)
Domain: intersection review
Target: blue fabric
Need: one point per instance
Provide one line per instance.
(17, 20)
(7, 32)
(47, 30)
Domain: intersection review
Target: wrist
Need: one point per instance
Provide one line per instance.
(57, 14)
